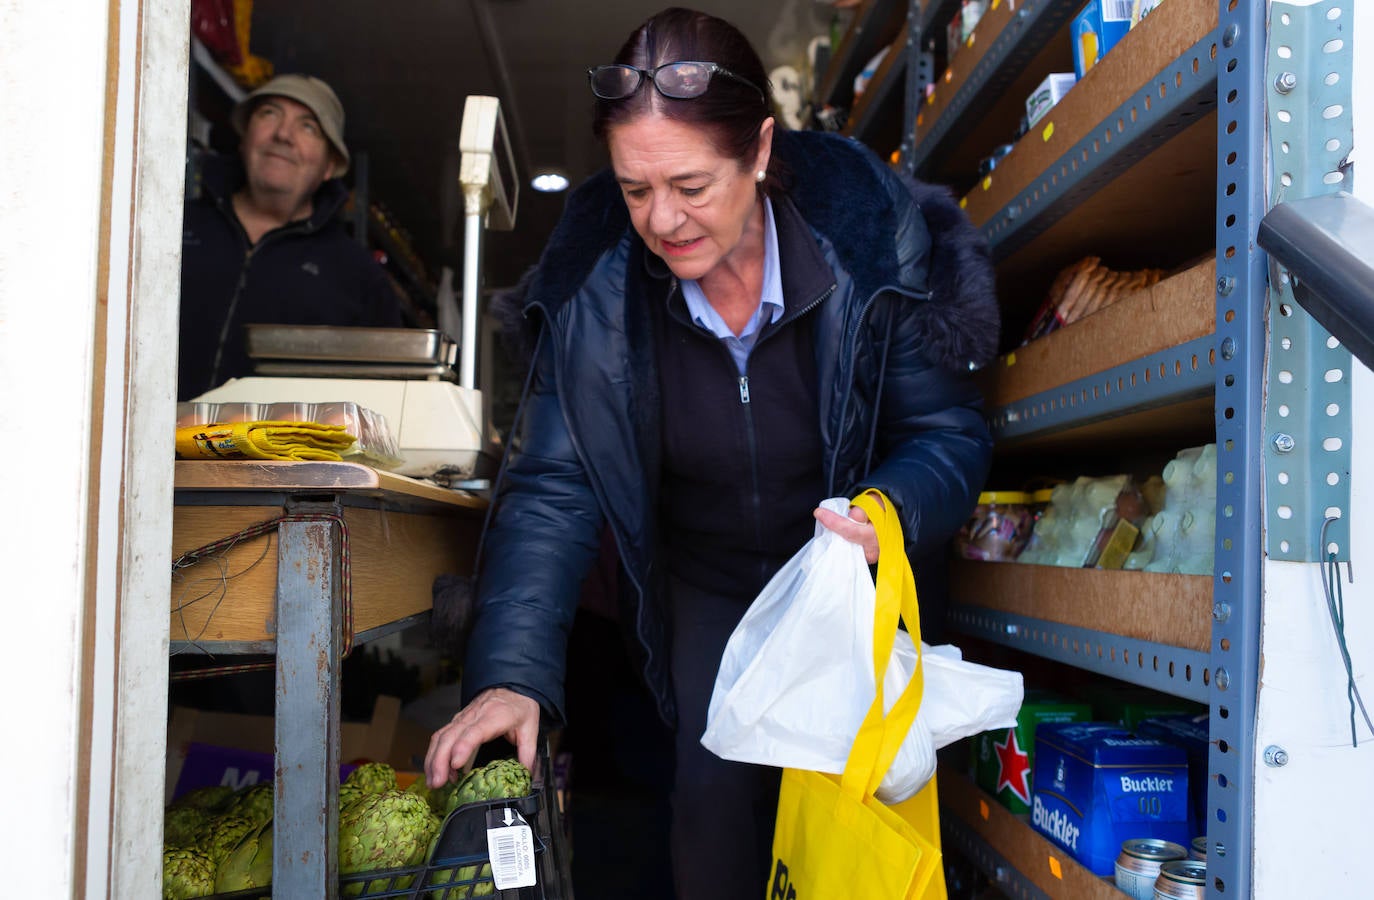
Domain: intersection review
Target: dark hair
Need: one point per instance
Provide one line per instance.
(730, 112)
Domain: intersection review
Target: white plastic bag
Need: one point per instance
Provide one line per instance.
(797, 677)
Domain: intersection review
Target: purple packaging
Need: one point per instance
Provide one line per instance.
(1097, 785)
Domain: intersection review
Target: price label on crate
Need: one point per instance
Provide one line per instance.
(510, 843)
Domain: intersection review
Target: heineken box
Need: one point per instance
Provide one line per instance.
(1129, 706)
(1097, 785)
(1003, 758)
(1190, 733)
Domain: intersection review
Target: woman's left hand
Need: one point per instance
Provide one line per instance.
(855, 529)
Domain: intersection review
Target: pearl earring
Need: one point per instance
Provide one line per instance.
(760, 175)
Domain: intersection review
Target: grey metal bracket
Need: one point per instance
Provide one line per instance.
(1169, 376)
(1179, 95)
(1173, 670)
(1307, 415)
(1035, 23)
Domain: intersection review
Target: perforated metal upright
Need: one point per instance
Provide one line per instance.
(1240, 352)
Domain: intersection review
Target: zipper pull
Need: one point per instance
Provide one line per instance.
(744, 389)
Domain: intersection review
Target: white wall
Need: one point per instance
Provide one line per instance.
(92, 114)
(1311, 815)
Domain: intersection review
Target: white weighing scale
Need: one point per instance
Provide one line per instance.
(406, 375)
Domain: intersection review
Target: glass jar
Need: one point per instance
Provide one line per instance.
(998, 528)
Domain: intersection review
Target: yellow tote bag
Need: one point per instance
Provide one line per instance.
(834, 839)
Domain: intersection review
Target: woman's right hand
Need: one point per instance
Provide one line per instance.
(496, 712)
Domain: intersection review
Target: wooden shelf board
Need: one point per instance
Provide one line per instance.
(1177, 309)
(1133, 62)
(1041, 862)
(1148, 606)
(395, 558)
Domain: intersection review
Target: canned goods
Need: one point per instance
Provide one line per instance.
(1138, 864)
(1181, 879)
(1198, 849)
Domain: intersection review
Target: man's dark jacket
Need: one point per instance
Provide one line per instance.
(308, 272)
(911, 311)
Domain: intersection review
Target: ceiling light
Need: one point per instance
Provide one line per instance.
(549, 182)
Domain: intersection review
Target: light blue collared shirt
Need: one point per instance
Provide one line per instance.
(770, 309)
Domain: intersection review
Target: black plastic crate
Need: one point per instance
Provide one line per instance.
(462, 849)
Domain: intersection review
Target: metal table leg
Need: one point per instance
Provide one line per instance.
(309, 641)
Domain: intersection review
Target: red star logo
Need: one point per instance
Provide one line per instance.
(1013, 767)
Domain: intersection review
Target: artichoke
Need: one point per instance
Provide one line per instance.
(390, 830)
(212, 799)
(186, 873)
(225, 834)
(249, 864)
(253, 803)
(373, 778)
(497, 780)
(439, 797)
(348, 795)
(184, 826)
(419, 788)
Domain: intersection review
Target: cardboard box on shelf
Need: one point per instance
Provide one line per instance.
(1044, 97)
(1096, 29)
(236, 749)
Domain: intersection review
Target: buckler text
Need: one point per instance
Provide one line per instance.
(1055, 824)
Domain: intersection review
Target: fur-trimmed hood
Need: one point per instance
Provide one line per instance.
(847, 198)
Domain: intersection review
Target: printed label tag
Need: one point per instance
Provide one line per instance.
(510, 843)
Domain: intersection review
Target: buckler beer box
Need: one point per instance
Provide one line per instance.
(1003, 759)
(1190, 733)
(1097, 785)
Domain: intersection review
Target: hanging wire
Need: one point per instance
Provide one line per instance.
(1335, 606)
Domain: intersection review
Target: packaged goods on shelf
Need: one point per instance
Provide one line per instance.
(1003, 760)
(1181, 536)
(1190, 733)
(1096, 29)
(1098, 785)
(1047, 94)
(866, 74)
(1083, 288)
(998, 528)
(1142, 8)
(960, 28)
(1091, 523)
(1128, 706)
(375, 444)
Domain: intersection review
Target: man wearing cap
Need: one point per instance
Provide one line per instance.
(264, 246)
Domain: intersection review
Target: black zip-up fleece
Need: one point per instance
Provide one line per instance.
(741, 453)
(308, 272)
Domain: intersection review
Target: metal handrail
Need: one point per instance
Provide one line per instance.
(1327, 246)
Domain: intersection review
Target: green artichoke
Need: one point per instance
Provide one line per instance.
(390, 830)
(349, 794)
(249, 864)
(212, 799)
(225, 834)
(419, 788)
(497, 780)
(186, 873)
(253, 803)
(439, 797)
(373, 778)
(184, 826)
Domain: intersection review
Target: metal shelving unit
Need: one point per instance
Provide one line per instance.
(1221, 71)
(1168, 134)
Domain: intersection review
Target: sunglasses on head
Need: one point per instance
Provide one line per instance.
(678, 80)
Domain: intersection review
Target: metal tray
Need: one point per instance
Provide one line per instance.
(330, 343)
